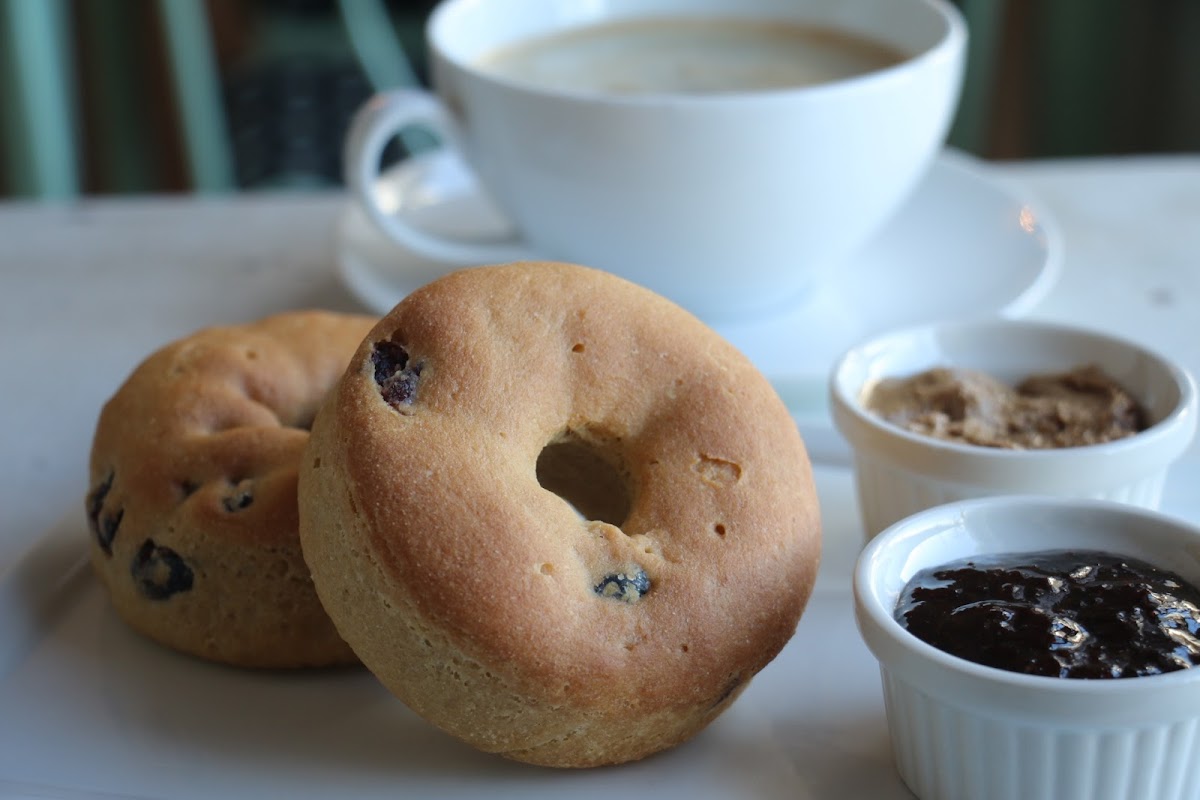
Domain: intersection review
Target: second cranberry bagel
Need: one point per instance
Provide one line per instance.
(193, 510)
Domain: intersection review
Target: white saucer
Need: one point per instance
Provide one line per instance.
(964, 245)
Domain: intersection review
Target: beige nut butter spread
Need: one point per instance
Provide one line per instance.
(1068, 409)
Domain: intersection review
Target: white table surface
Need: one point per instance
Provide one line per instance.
(87, 290)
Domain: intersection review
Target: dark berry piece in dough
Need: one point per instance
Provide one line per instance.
(388, 358)
(159, 572)
(95, 500)
(395, 376)
(240, 498)
(104, 528)
(628, 587)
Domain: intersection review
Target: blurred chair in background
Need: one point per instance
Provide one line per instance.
(1080, 77)
(135, 96)
(37, 99)
(198, 94)
(129, 96)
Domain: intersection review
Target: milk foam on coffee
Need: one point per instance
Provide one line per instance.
(690, 56)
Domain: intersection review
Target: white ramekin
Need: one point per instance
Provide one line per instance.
(899, 473)
(962, 731)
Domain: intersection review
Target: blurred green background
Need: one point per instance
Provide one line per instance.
(152, 96)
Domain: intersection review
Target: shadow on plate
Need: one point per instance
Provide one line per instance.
(138, 719)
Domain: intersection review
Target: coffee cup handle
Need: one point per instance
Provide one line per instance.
(373, 126)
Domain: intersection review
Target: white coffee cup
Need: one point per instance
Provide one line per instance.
(732, 203)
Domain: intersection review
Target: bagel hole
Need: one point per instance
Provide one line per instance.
(588, 476)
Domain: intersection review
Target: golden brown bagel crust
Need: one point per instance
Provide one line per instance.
(469, 589)
(193, 502)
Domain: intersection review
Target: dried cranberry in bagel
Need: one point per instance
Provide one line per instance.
(104, 526)
(395, 375)
(628, 586)
(159, 571)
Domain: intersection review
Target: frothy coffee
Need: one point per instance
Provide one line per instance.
(690, 56)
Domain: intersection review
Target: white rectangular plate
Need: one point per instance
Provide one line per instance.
(90, 709)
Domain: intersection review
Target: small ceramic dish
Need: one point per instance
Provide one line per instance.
(961, 730)
(899, 472)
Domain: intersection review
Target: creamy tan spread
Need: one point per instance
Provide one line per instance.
(1068, 409)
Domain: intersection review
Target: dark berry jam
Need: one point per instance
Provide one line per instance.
(1061, 613)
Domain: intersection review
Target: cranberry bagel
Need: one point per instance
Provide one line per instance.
(556, 515)
(193, 506)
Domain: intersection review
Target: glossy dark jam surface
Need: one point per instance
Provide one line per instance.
(1062, 613)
